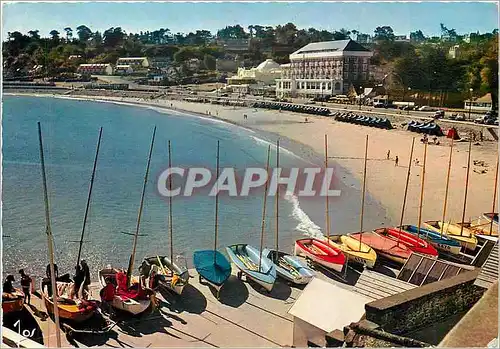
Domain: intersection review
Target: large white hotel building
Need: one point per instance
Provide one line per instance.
(324, 69)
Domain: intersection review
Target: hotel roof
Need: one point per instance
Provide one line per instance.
(331, 46)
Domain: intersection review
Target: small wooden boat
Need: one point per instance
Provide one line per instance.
(12, 301)
(212, 266)
(440, 242)
(173, 276)
(413, 242)
(467, 239)
(483, 226)
(289, 267)
(131, 300)
(355, 251)
(384, 246)
(246, 258)
(76, 310)
(321, 252)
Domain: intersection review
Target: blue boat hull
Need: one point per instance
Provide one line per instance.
(296, 270)
(441, 243)
(212, 266)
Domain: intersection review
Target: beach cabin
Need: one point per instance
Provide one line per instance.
(322, 308)
(95, 69)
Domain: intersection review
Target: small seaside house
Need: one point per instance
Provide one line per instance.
(95, 69)
(124, 69)
(483, 103)
(322, 308)
(135, 62)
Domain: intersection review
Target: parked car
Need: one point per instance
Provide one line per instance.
(460, 117)
(378, 105)
(438, 114)
(425, 108)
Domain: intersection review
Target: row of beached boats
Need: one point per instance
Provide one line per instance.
(134, 295)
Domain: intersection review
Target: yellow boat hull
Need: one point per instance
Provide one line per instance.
(482, 226)
(364, 254)
(467, 239)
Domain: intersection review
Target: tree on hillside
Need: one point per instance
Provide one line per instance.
(232, 32)
(449, 33)
(34, 34)
(113, 37)
(417, 36)
(184, 54)
(286, 34)
(69, 33)
(84, 33)
(54, 34)
(384, 33)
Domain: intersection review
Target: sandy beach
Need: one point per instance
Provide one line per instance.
(385, 181)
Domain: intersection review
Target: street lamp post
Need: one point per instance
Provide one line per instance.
(470, 101)
(361, 89)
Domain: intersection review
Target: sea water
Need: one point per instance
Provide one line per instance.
(70, 132)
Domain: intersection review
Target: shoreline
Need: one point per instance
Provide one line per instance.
(385, 181)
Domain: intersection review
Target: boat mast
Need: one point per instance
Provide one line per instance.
(447, 186)
(466, 187)
(406, 188)
(277, 197)
(89, 196)
(141, 206)
(363, 195)
(422, 192)
(327, 210)
(50, 242)
(264, 209)
(216, 228)
(170, 209)
(494, 199)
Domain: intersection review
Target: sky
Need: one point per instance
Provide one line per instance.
(188, 16)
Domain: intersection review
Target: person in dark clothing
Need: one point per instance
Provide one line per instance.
(25, 284)
(82, 277)
(47, 282)
(7, 285)
(396, 161)
(56, 271)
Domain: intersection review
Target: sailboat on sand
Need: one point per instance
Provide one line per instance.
(288, 267)
(130, 296)
(212, 265)
(172, 275)
(250, 261)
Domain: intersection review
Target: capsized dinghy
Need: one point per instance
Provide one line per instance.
(212, 266)
(355, 251)
(384, 246)
(413, 242)
(289, 267)
(246, 258)
(321, 252)
(467, 239)
(440, 242)
(132, 300)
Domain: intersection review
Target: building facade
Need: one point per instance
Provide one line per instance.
(124, 69)
(135, 62)
(324, 69)
(95, 69)
(266, 73)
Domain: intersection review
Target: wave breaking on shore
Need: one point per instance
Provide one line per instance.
(306, 225)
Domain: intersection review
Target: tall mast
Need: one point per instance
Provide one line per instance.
(466, 188)
(89, 197)
(494, 198)
(327, 209)
(139, 215)
(216, 228)
(363, 194)
(264, 209)
(406, 188)
(48, 231)
(447, 186)
(170, 208)
(277, 196)
(422, 192)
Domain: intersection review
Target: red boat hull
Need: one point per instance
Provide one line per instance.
(11, 305)
(413, 242)
(384, 246)
(321, 252)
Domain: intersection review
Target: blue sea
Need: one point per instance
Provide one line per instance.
(70, 131)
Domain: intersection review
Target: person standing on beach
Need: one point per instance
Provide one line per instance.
(25, 285)
(388, 154)
(396, 161)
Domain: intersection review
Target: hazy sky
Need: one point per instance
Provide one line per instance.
(185, 17)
